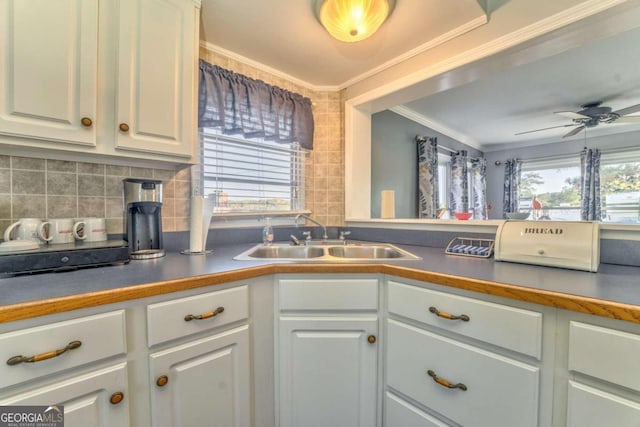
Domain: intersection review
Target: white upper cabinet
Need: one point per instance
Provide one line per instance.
(156, 76)
(114, 78)
(48, 69)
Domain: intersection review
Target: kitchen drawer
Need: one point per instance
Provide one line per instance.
(332, 294)
(590, 407)
(100, 336)
(512, 328)
(167, 320)
(399, 413)
(604, 353)
(499, 391)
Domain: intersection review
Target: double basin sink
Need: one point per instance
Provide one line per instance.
(327, 252)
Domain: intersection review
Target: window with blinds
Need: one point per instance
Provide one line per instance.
(251, 175)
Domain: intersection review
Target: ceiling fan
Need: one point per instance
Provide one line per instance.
(591, 115)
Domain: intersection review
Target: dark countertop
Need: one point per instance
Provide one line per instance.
(612, 284)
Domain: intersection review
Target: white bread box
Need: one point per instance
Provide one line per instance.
(564, 244)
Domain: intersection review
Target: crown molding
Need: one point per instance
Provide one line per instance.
(551, 23)
(474, 23)
(436, 126)
(539, 28)
(262, 67)
(443, 38)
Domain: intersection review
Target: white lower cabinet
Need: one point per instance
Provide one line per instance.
(327, 366)
(203, 382)
(95, 399)
(453, 359)
(77, 363)
(207, 379)
(603, 386)
(468, 385)
(590, 407)
(328, 372)
(400, 413)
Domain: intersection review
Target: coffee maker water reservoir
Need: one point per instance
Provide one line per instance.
(143, 217)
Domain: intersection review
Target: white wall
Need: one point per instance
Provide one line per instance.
(394, 160)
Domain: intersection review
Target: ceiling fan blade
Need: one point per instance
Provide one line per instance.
(552, 127)
(628, 119)
(571, 115)
(573, 132)
(629, 110)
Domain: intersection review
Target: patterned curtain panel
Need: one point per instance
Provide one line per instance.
(238, 104)
(459, 195)
(590, 209)
(512, 173)
(427, 176)
(479, 187)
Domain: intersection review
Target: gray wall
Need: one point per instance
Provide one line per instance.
(393, 160)
(495, 174)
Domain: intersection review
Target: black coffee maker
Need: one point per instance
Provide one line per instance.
(143, 217)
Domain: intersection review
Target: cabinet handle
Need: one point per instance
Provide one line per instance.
(116, 397)
(371, 339)
(124, 127)
(16, 360)
(444, 382)
(86, 122)
(190, 317)
(449, 316)
(162, 381)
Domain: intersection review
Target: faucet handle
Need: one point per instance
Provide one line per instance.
(344, 234)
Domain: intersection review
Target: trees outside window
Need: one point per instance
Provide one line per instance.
(553, 191)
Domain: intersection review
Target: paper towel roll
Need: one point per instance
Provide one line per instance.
(387, 204)
(207, 212)
(196, 243)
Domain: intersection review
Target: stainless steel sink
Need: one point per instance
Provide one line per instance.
(367, 252)
(327, 253)
(286, 252)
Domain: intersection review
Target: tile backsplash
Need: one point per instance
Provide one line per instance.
(44, 188)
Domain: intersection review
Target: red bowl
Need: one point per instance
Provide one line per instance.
(463, 215)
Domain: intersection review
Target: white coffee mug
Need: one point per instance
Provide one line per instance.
(61, 231)
(27, 229)
(90, 229)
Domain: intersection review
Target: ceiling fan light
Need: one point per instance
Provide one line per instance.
(353, 20)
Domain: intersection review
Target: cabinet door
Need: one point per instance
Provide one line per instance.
(207, 382)
(589, 407)
(328, 371)
(156, 76)
(48, 69)
(86, 398)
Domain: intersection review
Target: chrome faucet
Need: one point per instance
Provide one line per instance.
(324, 229)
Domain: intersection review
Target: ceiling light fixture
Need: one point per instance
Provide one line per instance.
(353, 20)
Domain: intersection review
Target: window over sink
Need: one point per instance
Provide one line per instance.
(252, 175)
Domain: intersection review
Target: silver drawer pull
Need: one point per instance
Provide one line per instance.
(449, 316)
(445, 383)
(16, 360)
(190, 317)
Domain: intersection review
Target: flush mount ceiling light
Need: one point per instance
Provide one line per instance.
(353, 20)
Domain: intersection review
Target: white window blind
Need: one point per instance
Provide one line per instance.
(250, 175)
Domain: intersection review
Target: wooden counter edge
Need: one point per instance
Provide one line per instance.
(614, 310)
